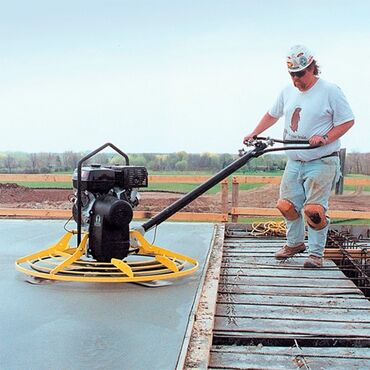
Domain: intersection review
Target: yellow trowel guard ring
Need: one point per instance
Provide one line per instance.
(147, 262)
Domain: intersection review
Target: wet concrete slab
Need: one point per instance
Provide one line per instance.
(66, 325)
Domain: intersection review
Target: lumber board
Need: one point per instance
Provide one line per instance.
(287, 282)
(283, 290)
(65, 214)
(337, 352)
(266, 326)
(293, 313)
(286, 359)
(344, 302)
(294, 273)
(254, 211)
(200, 341)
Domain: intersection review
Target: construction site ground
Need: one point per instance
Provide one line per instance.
(13, 195)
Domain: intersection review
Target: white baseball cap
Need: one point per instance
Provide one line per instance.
(298, 58)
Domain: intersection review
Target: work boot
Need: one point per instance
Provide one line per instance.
(287, 252)
(313, 262)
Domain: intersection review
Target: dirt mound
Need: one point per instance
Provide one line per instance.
(16, 196)
(152, 201)
(13, 193)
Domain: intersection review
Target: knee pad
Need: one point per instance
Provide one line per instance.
(287, 209)
(316, 216)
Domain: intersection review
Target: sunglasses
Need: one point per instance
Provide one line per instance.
(298, 74)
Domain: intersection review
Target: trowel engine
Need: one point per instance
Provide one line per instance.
(108, 196)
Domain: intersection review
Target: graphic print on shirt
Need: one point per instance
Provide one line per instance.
(295, 119)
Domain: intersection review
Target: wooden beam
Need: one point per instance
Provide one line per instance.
(277, 180)
(257, 179)
(65, 214)
(249, 211)
(35, 178)
(336, 253)
(35, 213)
(200, 343)
(186, 216)
(156, 179)
(184, 179)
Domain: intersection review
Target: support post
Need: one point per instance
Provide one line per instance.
(235, 197)
(339, 184)
(224, 196)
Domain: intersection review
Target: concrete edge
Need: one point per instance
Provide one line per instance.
(198, 339)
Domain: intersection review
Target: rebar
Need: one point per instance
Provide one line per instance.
(355, 257)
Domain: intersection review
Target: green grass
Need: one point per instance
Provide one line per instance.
(43, 184)
(355, 187)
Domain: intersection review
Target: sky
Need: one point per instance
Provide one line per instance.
(164, 76)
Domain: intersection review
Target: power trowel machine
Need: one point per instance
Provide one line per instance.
(107, 250)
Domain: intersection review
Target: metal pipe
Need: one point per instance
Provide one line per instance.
(260, 148)
(201, 189)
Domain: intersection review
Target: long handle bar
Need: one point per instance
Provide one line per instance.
(260, 148)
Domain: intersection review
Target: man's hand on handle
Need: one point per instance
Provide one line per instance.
(318, 140)
(247, 139)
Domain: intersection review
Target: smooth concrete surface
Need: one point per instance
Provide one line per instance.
(68, 326)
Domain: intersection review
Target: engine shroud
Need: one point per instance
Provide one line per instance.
(109, 194)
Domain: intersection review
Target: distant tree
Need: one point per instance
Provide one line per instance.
(181, 165)
(70, 160)
(138, 160)
(58, 163)
(10, 163)
(225, 160)
(34, 165)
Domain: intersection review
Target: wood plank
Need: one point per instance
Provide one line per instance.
(337, 352)
(254, 211)
(271, 261)
(278, 326)
(200, 341)
(186, 216)
(256, 179)
(273, 272)
(346, 302)
(65, 214)
(67, 178)
(229, 360)
(177, 179)
(277, 180)
(278, 290)
(35, 178)
(288, 282)
(293, 313)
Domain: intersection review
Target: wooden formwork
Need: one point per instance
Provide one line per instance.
(270, 314)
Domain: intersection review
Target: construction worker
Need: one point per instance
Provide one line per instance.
(317, 111)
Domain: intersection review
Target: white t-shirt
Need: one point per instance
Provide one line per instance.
(312, 112)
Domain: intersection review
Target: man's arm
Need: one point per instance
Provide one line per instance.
(334, 134)
(266, 122)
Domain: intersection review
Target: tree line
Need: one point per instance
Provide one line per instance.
(21, 162)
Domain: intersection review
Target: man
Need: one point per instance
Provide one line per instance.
(317, 111)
